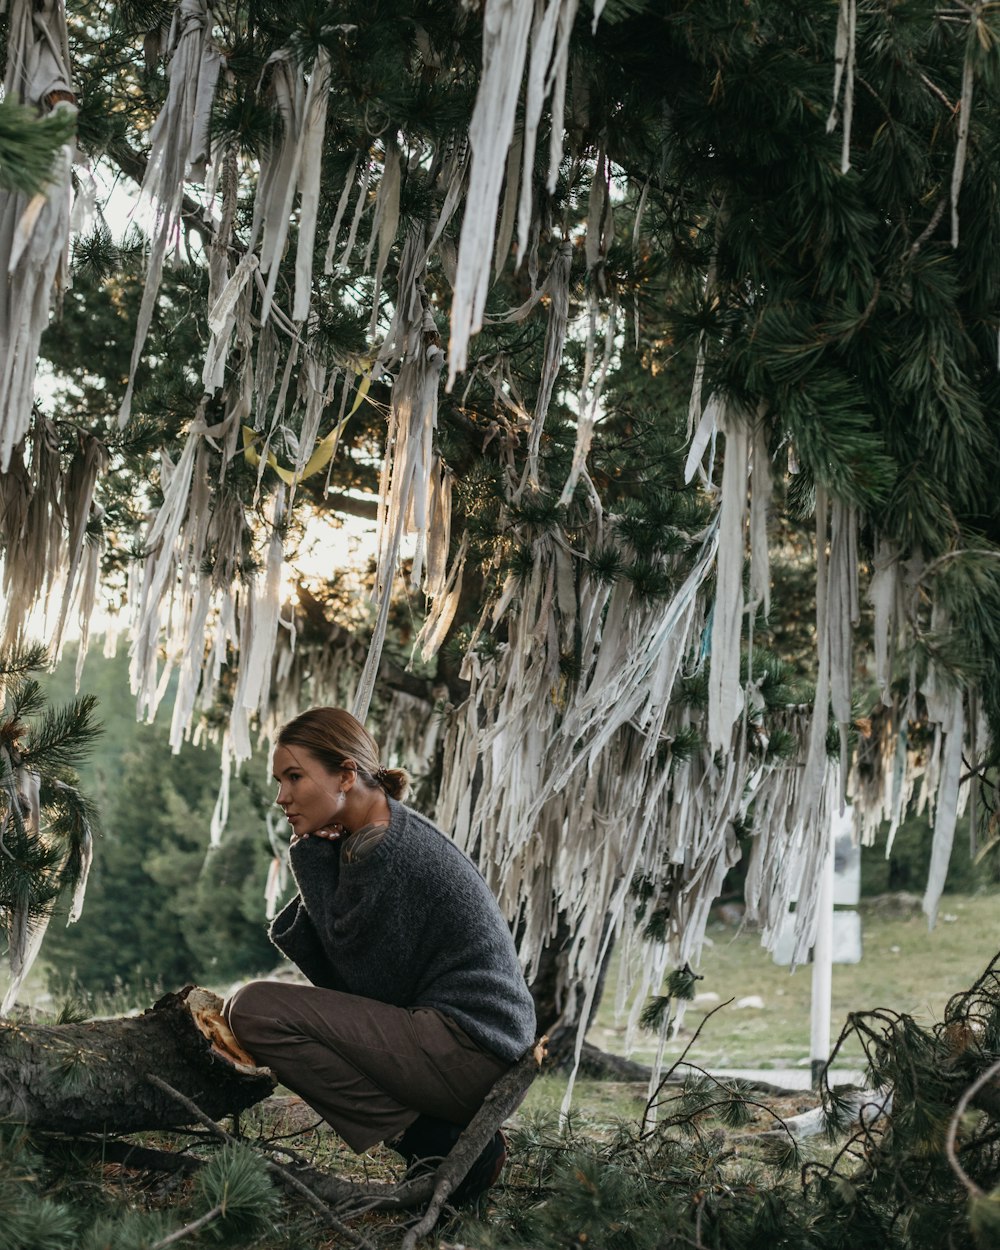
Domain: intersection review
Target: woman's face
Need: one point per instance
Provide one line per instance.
(308, 793)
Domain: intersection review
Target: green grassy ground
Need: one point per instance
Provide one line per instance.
(904, 967)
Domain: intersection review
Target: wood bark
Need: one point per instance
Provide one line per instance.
(78, 1078)
(559, 1008)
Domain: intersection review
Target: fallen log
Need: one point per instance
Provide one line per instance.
(178, 1064)
(856, 1108)
(92, 1077)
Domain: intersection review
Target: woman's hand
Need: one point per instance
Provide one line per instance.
(333, 833)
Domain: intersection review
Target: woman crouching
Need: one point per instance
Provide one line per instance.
(417, 1004)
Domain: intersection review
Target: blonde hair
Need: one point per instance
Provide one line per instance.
(333, 736)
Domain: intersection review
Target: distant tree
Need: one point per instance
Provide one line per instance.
(162, 908)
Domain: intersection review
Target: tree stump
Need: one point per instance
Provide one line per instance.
(92, 1077)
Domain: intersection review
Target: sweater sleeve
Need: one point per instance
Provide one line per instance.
(315, 864)
(298, 929)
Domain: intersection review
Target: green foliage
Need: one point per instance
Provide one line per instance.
(600, 1201)
(698, 1176)
(714, 1166)
(644, 1188)
(236, 1181)
(126, 1230)
(64, 738)
(684, 744)
(680, 985)
(162, 908)
(910, 1178)
(770, 675)
(44, 1205)
(906, 867)
(984, 1219)
(781, 745)
(28, 145)
(966, 584)
(46, 823)
(30, 1220)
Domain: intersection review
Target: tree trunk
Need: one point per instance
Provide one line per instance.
(72, 1078)
(559, 1008)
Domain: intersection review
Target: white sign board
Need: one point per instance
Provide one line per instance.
(846, 939)
(846, 862)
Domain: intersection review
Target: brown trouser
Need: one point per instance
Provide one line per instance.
(367, 1068)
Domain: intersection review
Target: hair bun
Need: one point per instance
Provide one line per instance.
(394, 781)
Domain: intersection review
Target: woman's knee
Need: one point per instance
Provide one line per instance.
(250, 1013)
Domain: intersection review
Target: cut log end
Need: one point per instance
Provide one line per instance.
(206, 1013)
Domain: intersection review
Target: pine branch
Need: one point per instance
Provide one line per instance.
(30, 659)
(24, 698)
(929, 229)
(28, 145)
(338, 501)
(680, 985)
(72, 820)
(286, 1176)
(65, 737)
(681, 1059)
(71, 812)
(194, 1226)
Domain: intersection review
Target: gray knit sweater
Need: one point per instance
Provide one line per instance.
(413, 924)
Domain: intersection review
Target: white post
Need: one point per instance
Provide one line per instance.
(822, 969)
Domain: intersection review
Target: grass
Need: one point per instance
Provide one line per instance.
(596, 1104)
(904, 967)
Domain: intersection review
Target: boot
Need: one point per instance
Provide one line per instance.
(428, 1140)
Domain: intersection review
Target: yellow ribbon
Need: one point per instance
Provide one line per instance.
(322, 452)
(320, 458)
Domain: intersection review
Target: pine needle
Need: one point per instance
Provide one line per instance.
(28, 145)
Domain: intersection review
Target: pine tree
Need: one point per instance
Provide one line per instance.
(165, 909)
(46, 824)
